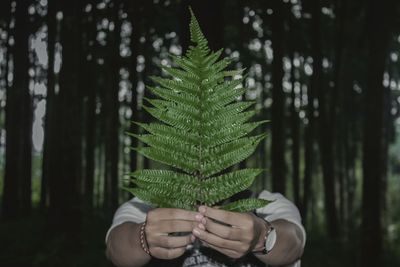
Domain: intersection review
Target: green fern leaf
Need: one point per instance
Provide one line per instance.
(169, 132)
(202, 130)
(244, 205)
(221, 187)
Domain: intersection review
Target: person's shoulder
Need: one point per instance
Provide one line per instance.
(271, 196)
(278, 203)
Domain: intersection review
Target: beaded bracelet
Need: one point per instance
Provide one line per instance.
(143, 241)
(264, 249)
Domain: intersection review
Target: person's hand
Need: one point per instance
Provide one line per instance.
(241, 234)
(162, 221)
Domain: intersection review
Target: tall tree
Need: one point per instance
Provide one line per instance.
(278, 96)
(90, 88)
(326, 113)
(309, 140)
(135, 8)
(378, 14)
(112, 115)
(66, 162)
(49, 125)
(17, 178)
(294, 116)
(340, 9)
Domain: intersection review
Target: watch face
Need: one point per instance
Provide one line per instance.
(271, 239)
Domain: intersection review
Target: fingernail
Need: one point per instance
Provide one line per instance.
(196, 231)
(199, 217)
(202, 209)
(201, 226)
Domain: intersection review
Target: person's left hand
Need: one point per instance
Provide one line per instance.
(241, 234)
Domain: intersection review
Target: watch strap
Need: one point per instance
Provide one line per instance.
(269, 239)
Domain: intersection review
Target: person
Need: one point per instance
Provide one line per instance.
(141, 234)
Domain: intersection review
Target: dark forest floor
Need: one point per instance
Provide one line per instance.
(24, 243)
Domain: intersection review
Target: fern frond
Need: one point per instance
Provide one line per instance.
(172, 158)
(202, 130)
(233, 73)
(221, 187)
(177, 86)
(230, 154)
(196, 36)
(225, 94)
(211, 58)
(244, 205)
(159, 200)
(230, 133)
(181, 98)
(186, 77)
(221, 122)
(172, 119)
(170, 132)
(161, 176)
(228, 111)
(168, 144)
(190, 113)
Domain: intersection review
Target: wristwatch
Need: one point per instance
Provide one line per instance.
(269, 238)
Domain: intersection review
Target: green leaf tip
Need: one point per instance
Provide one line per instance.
(196, 35)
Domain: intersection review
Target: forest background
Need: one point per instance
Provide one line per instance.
(73, 75)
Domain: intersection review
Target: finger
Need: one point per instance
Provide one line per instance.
(224, 216)
(166, 254)
(223, 231)
(216, 240)
(171, 226)
(169, 242)
(172, 214)
(225, 251)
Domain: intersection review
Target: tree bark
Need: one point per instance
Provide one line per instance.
(378, 39)
(112, 116)
(326, 128)
(294, 116)
(5, 22)
(49, 129)
(134, 14)
(17, 178)
(309, 152)
(66, 162)
(91, 85)
(278, 104)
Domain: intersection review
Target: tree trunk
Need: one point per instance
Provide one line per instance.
(66, 162)
(91, 86)
(337, 136)
(112, 115)
(350, 152)
(17, 178)
(133, 77)
(309, 153)
(294, 116)
(378, 40)
(326, 127)
(49, 129)
(5, 21)
(278, 104)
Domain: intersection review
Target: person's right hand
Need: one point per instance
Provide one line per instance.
(163, 221)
